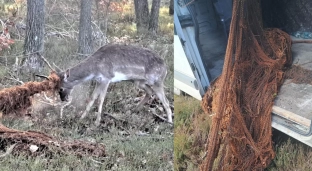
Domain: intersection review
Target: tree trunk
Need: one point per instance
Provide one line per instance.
(106, 16)
(85, 45)
(171, 7)
(34, 40)
(153, 19)
(142, 15)
(102, 20)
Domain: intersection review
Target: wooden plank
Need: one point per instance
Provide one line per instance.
(291, 116)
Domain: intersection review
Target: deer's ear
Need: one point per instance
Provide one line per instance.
(66, 75)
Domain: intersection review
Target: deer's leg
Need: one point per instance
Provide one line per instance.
(159, 90)
(94, 96)
(148, 90)
(103, 88)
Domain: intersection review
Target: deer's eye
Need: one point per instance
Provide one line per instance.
(61, 89)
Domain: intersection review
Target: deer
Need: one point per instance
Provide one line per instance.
(114, 63)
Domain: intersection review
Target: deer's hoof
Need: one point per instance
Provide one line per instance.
(170, 121)
(97, 123)
(83, 116)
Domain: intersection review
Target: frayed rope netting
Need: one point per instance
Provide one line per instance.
(241, 99)
(17, 99)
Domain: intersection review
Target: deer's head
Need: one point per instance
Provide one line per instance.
(65, 87)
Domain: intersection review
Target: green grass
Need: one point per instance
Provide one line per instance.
(153, 152)
(125, 149)
(191, 131)
(290, 154)
(126, 156)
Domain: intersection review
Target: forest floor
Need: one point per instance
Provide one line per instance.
(132, 140)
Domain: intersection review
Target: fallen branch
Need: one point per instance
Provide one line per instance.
(112, 117)
(45, 61)
(48, 145)
(21, 82)
(8, 151)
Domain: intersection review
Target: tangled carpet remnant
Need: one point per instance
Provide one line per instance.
(46, 144)
(17, 98)
(241, 99)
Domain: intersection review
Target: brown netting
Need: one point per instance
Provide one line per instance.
(241, 99)
(46, 144)
(16, 99)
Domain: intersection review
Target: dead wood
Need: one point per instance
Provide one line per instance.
(47, 144)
